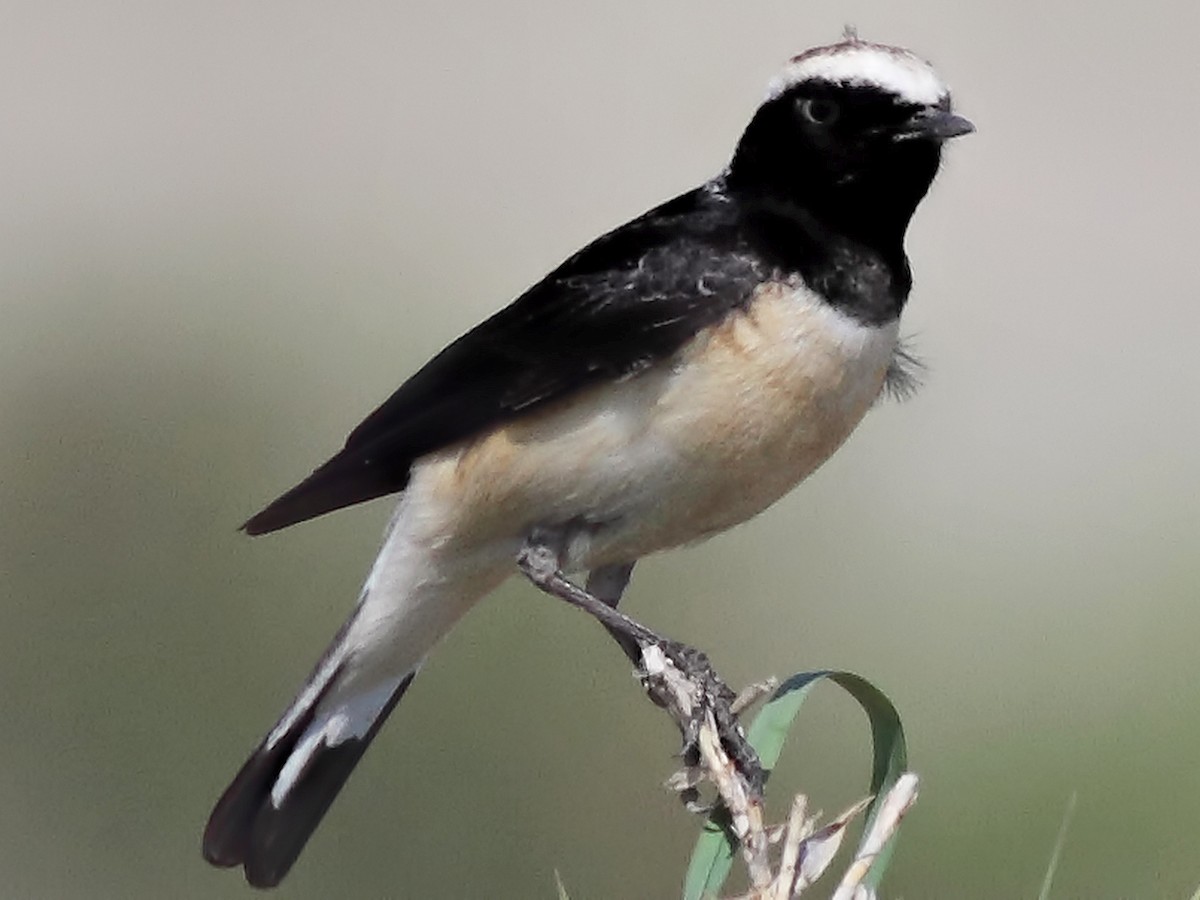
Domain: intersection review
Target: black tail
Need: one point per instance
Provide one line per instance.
(266, 816)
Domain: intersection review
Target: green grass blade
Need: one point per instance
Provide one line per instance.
(713, 855)
(1059, 843)
(561, 888)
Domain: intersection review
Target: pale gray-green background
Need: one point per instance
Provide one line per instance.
(228, 229)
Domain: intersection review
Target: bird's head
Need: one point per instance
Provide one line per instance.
(850, 130)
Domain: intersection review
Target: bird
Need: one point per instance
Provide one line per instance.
(668, 381)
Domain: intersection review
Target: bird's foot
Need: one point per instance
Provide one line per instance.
(677, 677)
(681, 679)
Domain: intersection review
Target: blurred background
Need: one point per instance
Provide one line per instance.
(228, 230)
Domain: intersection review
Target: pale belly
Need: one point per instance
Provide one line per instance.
(743, 414)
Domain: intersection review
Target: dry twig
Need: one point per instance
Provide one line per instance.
(806, 850)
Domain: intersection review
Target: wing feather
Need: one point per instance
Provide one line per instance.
(627, 300)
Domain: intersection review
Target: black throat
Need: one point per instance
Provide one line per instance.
(868, 280)
(839, 223)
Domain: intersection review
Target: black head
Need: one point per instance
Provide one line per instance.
(851, 134)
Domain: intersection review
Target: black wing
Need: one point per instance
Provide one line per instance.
(628, 299)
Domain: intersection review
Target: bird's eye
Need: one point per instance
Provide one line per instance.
(819, 111)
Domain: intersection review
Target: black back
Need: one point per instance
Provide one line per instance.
(827, 202)
(627, 300)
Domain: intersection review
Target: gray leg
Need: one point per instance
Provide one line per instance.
(539, 559)
(608, 583)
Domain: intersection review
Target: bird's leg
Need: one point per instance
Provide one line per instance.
(608, 584)
(539, 560)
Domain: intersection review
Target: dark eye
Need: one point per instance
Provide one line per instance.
(819, 111)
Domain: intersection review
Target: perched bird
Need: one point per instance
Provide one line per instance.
(670, 380)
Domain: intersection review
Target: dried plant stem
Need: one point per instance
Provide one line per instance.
(806, 851)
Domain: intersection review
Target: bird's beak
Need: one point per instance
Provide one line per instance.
(934, 124)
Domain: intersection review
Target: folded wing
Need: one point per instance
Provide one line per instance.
(625, 301)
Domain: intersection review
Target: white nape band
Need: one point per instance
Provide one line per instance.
(856, 62)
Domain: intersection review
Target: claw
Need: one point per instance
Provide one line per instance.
(715, 696)
(752, 694)
(684, 779)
